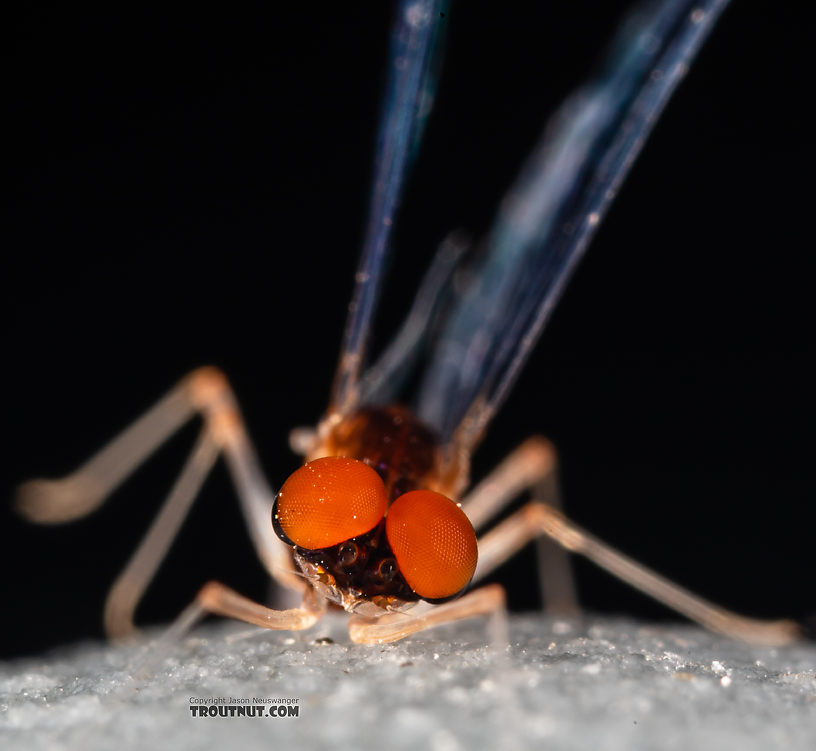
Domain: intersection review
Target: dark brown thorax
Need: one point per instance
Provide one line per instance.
(392, 441)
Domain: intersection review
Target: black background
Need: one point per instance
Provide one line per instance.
(190, 188)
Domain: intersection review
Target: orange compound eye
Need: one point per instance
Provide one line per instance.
(328, 501)
(433, 542)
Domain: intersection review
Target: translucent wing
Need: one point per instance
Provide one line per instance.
(549, 216)
(414, 51)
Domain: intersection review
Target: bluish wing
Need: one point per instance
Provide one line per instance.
(414, 49)
(549, 216)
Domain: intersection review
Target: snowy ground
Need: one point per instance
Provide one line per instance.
(598, 685)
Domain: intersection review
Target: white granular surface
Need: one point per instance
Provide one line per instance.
(596, 685)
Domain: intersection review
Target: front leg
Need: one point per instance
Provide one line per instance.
(489, 600)
(218, 599)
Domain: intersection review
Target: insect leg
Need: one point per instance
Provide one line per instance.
(533, 465)
(219, 599)
(130, 585)
(204, 391)
(489, 600)
(537, 519)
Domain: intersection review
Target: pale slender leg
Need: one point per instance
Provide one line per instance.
(130, 585)
(83, 491)
(524, 468)
(206, 392)
(488, 600)
(556, 578)
(539, 519)
(531, 466)
(218, 599)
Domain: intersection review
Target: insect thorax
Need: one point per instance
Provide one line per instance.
(403, 450)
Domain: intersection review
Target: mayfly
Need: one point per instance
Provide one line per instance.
(381, 519)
